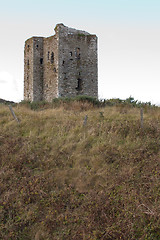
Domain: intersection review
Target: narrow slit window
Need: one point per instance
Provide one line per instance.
(41, 60)
(28, 63)
(52, 57)
(48, 55)
(65, 76)
(79, 84)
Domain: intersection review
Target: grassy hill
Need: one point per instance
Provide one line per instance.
(63, 177)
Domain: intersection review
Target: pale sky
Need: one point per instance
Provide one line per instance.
(128, 42)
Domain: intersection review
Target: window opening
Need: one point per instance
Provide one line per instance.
(52, 57)
(48, 55)
(78, 54)
(63, 63)
(41, 60)
(79, 84)
(70, 54)
(28, 62)
(37, 46)
(65, 76)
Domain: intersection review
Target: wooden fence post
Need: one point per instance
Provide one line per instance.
(13, 114)
(141, 113)
(85, 121)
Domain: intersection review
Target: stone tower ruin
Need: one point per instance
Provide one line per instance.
(63, 65)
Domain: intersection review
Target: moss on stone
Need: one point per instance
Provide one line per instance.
(81, 34)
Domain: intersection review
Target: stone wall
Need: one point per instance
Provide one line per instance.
(77, 63)
(38, 68)
(28, 70)
(63, 65)
(33, 69)
(50, 78)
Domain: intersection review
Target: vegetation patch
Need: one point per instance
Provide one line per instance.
(63, 179)
(86, 103)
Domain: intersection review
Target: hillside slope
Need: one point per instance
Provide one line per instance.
(65, 178)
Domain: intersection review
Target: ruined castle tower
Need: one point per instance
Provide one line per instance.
(63, 65)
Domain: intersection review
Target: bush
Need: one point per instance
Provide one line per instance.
(80, 101)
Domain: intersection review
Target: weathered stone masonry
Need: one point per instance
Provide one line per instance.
(63, 65)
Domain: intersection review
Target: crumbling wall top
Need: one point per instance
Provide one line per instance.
(66, 30)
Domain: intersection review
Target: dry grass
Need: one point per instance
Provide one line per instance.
(60, 179)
